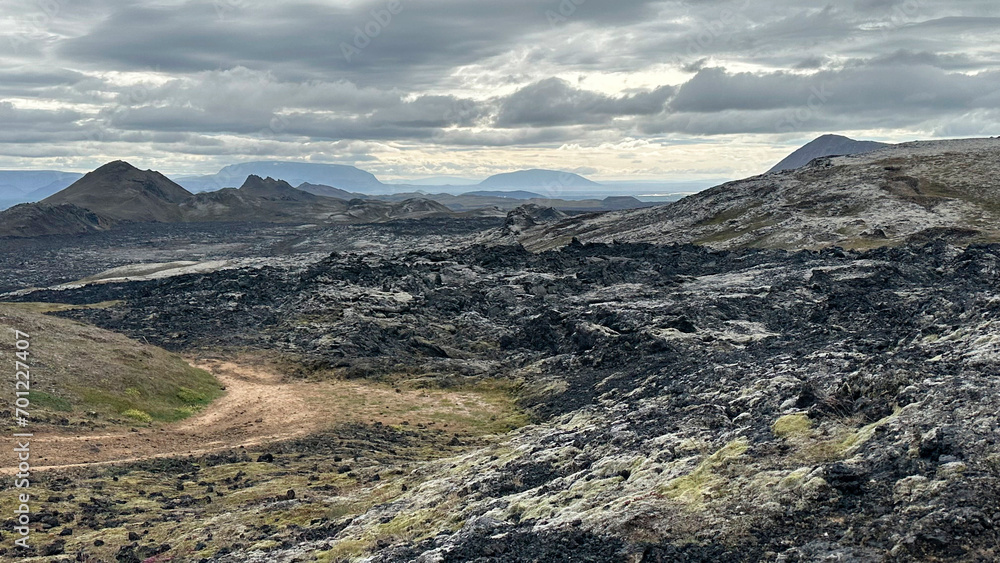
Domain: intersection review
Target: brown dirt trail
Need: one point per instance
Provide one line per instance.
(256, 408)
(259, 407)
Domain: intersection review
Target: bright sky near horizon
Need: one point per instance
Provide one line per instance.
(615, 90)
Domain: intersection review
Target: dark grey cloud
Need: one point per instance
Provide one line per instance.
(11, 116)
(903, 57)
(556, 102)
(307, 40)
(218, 77)
(29, 77)
(875, 87)
(872, 97)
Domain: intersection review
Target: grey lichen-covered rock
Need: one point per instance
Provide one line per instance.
(530, 215)
(688, 404)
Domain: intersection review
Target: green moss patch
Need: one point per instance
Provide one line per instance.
(792, 425)
(701, 482)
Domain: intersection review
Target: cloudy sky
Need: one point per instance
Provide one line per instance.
(615, 89)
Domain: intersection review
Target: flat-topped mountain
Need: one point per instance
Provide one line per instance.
(873, 199)
(295, 173)
(827, 145)
(123, 192)
(535, 178)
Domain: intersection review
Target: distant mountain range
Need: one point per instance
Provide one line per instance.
(355, 180)
(549, 188)
(295, 173)
(827, 145)
(271, 200)
(329, 180)
(18, 186)
(119, 192)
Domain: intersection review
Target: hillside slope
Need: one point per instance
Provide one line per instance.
(37, 219)
(260, 199)
(373, 211)
(123, 192)
(862, 201)
(827, 145)
(327, 191)
(89, 376)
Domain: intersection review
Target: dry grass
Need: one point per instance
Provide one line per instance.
(475, 408)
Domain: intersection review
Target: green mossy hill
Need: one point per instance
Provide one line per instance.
(83, 374)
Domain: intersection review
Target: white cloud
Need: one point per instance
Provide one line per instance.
(469, 88)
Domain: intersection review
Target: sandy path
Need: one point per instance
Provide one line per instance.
(256, 408)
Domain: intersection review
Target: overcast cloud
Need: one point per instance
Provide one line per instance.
(406, 88)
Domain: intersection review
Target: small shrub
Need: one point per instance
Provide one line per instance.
(191, 396)
(137, 415)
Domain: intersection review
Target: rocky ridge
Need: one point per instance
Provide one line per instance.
(885, 197)
(826, 145)
(40, 219)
